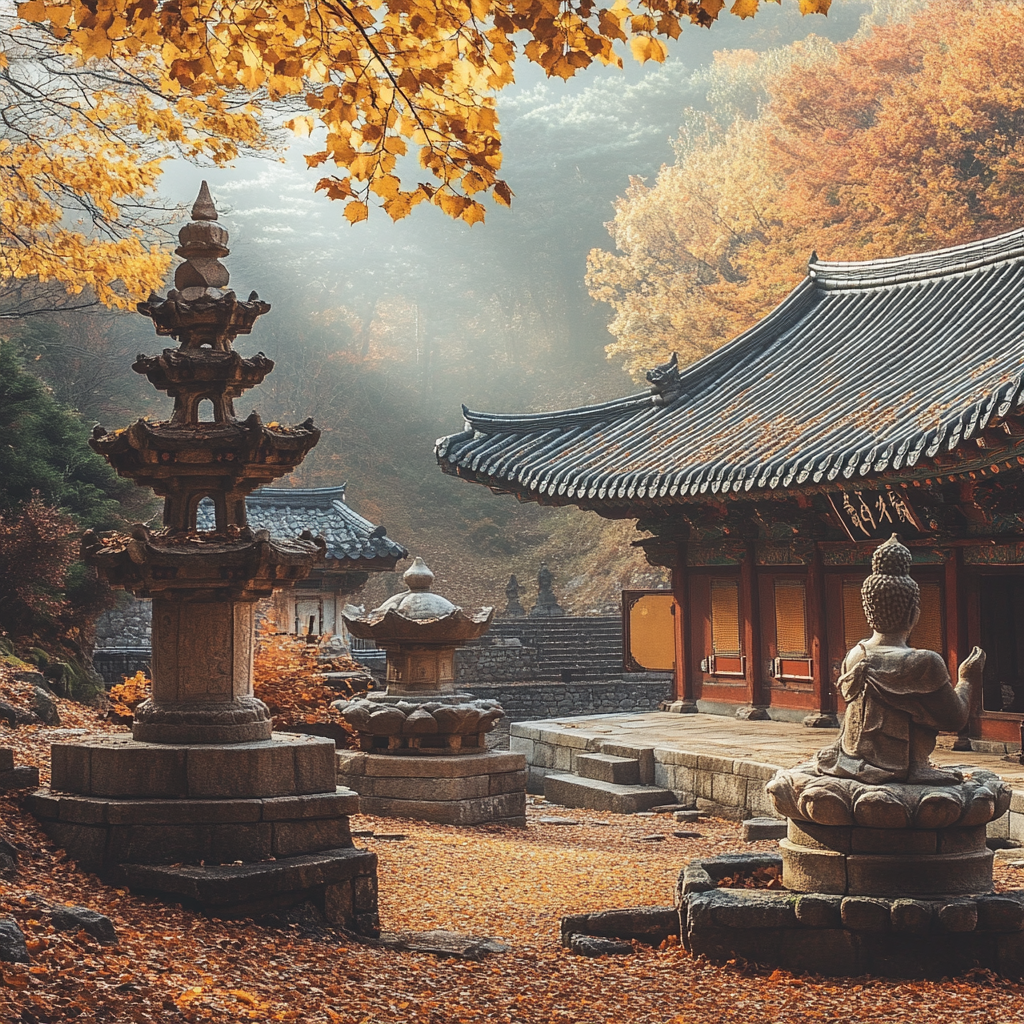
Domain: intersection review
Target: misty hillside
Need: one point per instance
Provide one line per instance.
(381, 331)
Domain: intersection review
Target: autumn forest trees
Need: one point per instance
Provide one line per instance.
(908, 137)
(904, 137)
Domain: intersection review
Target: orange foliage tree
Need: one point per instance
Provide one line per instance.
(81, 149)
(909, 137)
(376, 74)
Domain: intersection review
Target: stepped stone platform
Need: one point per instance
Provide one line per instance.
(718, 764)
(468, 789)
(234, 830)
(574, 791)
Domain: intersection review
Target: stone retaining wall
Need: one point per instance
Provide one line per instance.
(523, 701)
(567, 649)
(126, 626)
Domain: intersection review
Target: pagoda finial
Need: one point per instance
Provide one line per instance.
(203, 208)
(203, 244)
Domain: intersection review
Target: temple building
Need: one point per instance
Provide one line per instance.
(880, 397)
(355, 548)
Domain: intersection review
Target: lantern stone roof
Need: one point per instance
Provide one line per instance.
(889, 369)
(287, 511)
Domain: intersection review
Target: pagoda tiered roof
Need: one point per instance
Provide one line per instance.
(888, 370)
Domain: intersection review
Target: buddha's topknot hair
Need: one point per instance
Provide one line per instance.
(889, 594)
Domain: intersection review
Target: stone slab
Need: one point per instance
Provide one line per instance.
(353, 763)
(624, 771)
(507, 807)
(47, 805)
(572, 791)
(22, 777)
(912, 916)
(641, 753)
(341, 882)
(506, 782)
(816, 910)
(754, 830)
(6, 759)
(121, 767)
(404, 788)
(810, 870)
(894, 875)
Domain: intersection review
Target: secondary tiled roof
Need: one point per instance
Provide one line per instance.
(865, 369)
(287, 511)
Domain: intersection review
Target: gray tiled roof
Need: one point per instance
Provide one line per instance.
(287, 511)
(866, 369)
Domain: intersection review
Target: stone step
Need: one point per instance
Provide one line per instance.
(623, 771)
(572, 791)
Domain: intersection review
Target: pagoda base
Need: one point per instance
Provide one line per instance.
(471, 789)
(235, 830)
(340, 883)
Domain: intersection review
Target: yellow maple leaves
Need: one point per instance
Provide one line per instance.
(376, 73)
(83, 148)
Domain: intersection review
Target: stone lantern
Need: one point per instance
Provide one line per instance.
(202, 781)
(422, 744)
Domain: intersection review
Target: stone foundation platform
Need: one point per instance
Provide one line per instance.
(342, 884)
(471, 789)
(847, 935)
(102, 833)
(288, 764)
(234, 830)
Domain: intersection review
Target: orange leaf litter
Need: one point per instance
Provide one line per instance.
(174, 965)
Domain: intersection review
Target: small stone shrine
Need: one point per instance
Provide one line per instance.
(885, 867)
(203, 803)
(422, 745)
(547, 606)
(513, 606)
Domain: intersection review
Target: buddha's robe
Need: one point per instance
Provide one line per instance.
(898, 699)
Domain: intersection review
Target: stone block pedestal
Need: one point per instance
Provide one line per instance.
(234, 830)
(471, 789)
(856, 861)
(838, 935)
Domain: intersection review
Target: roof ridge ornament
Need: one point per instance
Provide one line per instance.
(665, 381)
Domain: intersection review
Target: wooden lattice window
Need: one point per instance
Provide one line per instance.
(725, 617)
(927, 635)
(855, 623)
(928, 632)
(791, 618)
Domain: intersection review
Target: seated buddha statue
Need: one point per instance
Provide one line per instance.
(898, 698)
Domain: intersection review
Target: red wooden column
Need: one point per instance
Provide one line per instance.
(817, 625)
(684, 684)
(956, 623)
(758, 694)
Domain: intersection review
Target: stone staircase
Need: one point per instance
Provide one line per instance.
(569, 649)
(609, 782)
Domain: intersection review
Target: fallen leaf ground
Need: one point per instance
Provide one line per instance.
(514, 884)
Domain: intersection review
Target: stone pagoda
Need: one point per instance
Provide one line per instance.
(423, 751)
(203, 803)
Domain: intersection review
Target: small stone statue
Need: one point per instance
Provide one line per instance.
(513, 607)
(898, 698)
(547, 605)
